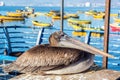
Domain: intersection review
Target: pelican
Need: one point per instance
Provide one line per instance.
(63, 55)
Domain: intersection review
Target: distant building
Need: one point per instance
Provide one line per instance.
(87, 4)
(2, 3)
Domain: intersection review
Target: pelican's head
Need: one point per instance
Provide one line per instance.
(61, 39)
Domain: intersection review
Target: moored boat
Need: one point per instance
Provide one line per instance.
(114, 14)
(83, 33)
(14, 14)
(91, 12)
(41, 24)
(72, 16)
(86, 27)
(99, 16)
(52, 12)
(10, 18)
(78, 21)
(57, 17)
(115, 27)
(117, 20)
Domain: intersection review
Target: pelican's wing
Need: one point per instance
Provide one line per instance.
(44, 57)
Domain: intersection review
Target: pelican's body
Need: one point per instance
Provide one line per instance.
(54, 58)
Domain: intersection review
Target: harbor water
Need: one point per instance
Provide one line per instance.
(98, 42)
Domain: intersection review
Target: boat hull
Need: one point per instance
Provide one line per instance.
(41, 24)
(11, 18)
(115, 27)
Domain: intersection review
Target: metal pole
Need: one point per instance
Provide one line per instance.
(62, 14)
(106, 31)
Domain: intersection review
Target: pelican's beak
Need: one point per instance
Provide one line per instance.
(66, 41)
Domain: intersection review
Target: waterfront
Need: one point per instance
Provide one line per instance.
(114, 44)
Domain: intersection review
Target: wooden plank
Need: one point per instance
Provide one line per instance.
(90, 75)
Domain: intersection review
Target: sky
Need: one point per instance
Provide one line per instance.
(53, 2)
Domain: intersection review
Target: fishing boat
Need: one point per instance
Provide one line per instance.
(91, 12)
(78, 21)
(52, 12)
(4, 17)
(57, 17)
(117, 20)
(99, 16)
(83, 33)
(86, 27)
(41, 24)
(14, 14)
(79, 24)
(114, 14)
(72, 15)
(115, 27)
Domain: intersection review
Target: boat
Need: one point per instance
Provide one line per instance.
(26, 12)
(99, 16)
(83, 33)
(41, 24)
(115, 27)
(52, 12)
(78, 24)
(91, 12)
(5, 17)
(14, 14)
(86, 27)
(72, 15)
(117, 20)
(57, 17)
(82, 25)
(114, 15)
(78, 21)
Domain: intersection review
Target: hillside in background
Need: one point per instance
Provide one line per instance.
(77, 3)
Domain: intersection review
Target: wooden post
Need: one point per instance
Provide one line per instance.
(62, 14)
(106, 31)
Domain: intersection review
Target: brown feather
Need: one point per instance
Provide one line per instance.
(44, 57)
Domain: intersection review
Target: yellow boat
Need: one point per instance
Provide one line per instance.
(49, 14)
(58, 17)
(41, 24)
(117, 20)
(4, 21)
(52, 12)
(85, 27)
(91, 12)
(10, 18)
(77, 21)
(72, 16)
(114, 14)
(14, 14)
(93, 34)
(99, 16)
